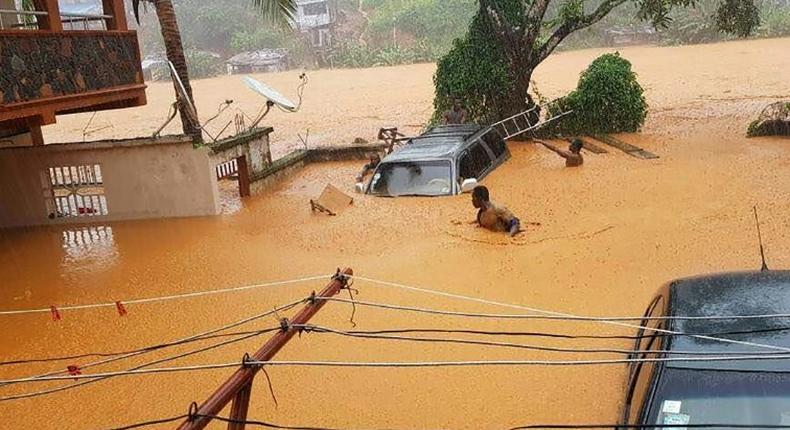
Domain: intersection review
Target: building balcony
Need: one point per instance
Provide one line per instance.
(61, 63)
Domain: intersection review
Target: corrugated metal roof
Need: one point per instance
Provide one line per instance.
(261, 57)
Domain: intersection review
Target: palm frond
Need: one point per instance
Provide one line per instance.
(279, 12)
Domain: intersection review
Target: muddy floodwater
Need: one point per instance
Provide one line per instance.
(610, 234)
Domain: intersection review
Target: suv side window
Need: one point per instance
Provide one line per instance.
(495, 143)
(465, 166)
(480, 159)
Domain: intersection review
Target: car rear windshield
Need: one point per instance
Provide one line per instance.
(689, 396)
(421, 178)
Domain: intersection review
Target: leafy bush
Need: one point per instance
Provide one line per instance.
(608, 99)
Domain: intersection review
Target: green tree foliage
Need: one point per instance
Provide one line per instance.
(475, 71)
(608, 99)
(432, 22)
(526, 32)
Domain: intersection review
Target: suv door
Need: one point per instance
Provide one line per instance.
(642, 375)
(474, 162)
(496, 145)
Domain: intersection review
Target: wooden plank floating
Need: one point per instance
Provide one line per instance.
(589, 146)
(629, 149)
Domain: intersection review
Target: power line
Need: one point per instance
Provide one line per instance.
(554, 313)
(136, 368)
(318, 329)
(263, 423)
(562, 335)
(196, 336)
(151, 423)
(81, 383)
(547, 317)
(405, 364)
(113, 354)
(163, 298)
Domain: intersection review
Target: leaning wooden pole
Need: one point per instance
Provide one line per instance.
(239, 386)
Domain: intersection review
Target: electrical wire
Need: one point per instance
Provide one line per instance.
(165, 298)
(405, 364)
(545, 317)
(318, 329)
(562, 335)
(142, 366)
(261, 423)
(113, 354)
(151, 423)
(561, 314)
(197, 336)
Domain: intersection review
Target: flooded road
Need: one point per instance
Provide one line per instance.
(611, 233)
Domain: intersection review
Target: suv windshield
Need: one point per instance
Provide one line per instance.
(422, 178)
(690, 396)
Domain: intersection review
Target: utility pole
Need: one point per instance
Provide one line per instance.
(239, 386)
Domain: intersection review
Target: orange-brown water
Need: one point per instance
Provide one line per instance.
(612, 232)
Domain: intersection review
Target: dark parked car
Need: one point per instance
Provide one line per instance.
(445, 160)
(750, 392)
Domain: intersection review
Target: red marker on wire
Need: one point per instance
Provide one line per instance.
(74, 370)
(121, 309)
(55, 313)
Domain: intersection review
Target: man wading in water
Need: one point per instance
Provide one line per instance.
(493, 216)
(456, 114)
(573, 156)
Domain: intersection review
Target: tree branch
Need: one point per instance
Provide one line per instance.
(502, 28)
(533, 19)
(569, 27)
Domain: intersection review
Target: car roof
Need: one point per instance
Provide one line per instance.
(741, 293)
(438, 142)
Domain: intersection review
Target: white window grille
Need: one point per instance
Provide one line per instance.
(74, 191)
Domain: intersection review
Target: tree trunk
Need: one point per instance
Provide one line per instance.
(175, 53)
(519, 99)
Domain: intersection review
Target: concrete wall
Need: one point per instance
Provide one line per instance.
(142, 179)
(253, 144)
(293, 162)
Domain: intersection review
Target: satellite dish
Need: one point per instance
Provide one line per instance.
(270, 94)
(182, 94)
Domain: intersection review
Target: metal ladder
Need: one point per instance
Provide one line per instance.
(520, 123)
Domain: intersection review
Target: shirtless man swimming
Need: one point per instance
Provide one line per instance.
(491, 215)
(573, 156)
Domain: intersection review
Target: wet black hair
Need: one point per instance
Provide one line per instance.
(481, 192)
(577, 144)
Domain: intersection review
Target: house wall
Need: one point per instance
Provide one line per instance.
(142, 178)
(23, 139)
